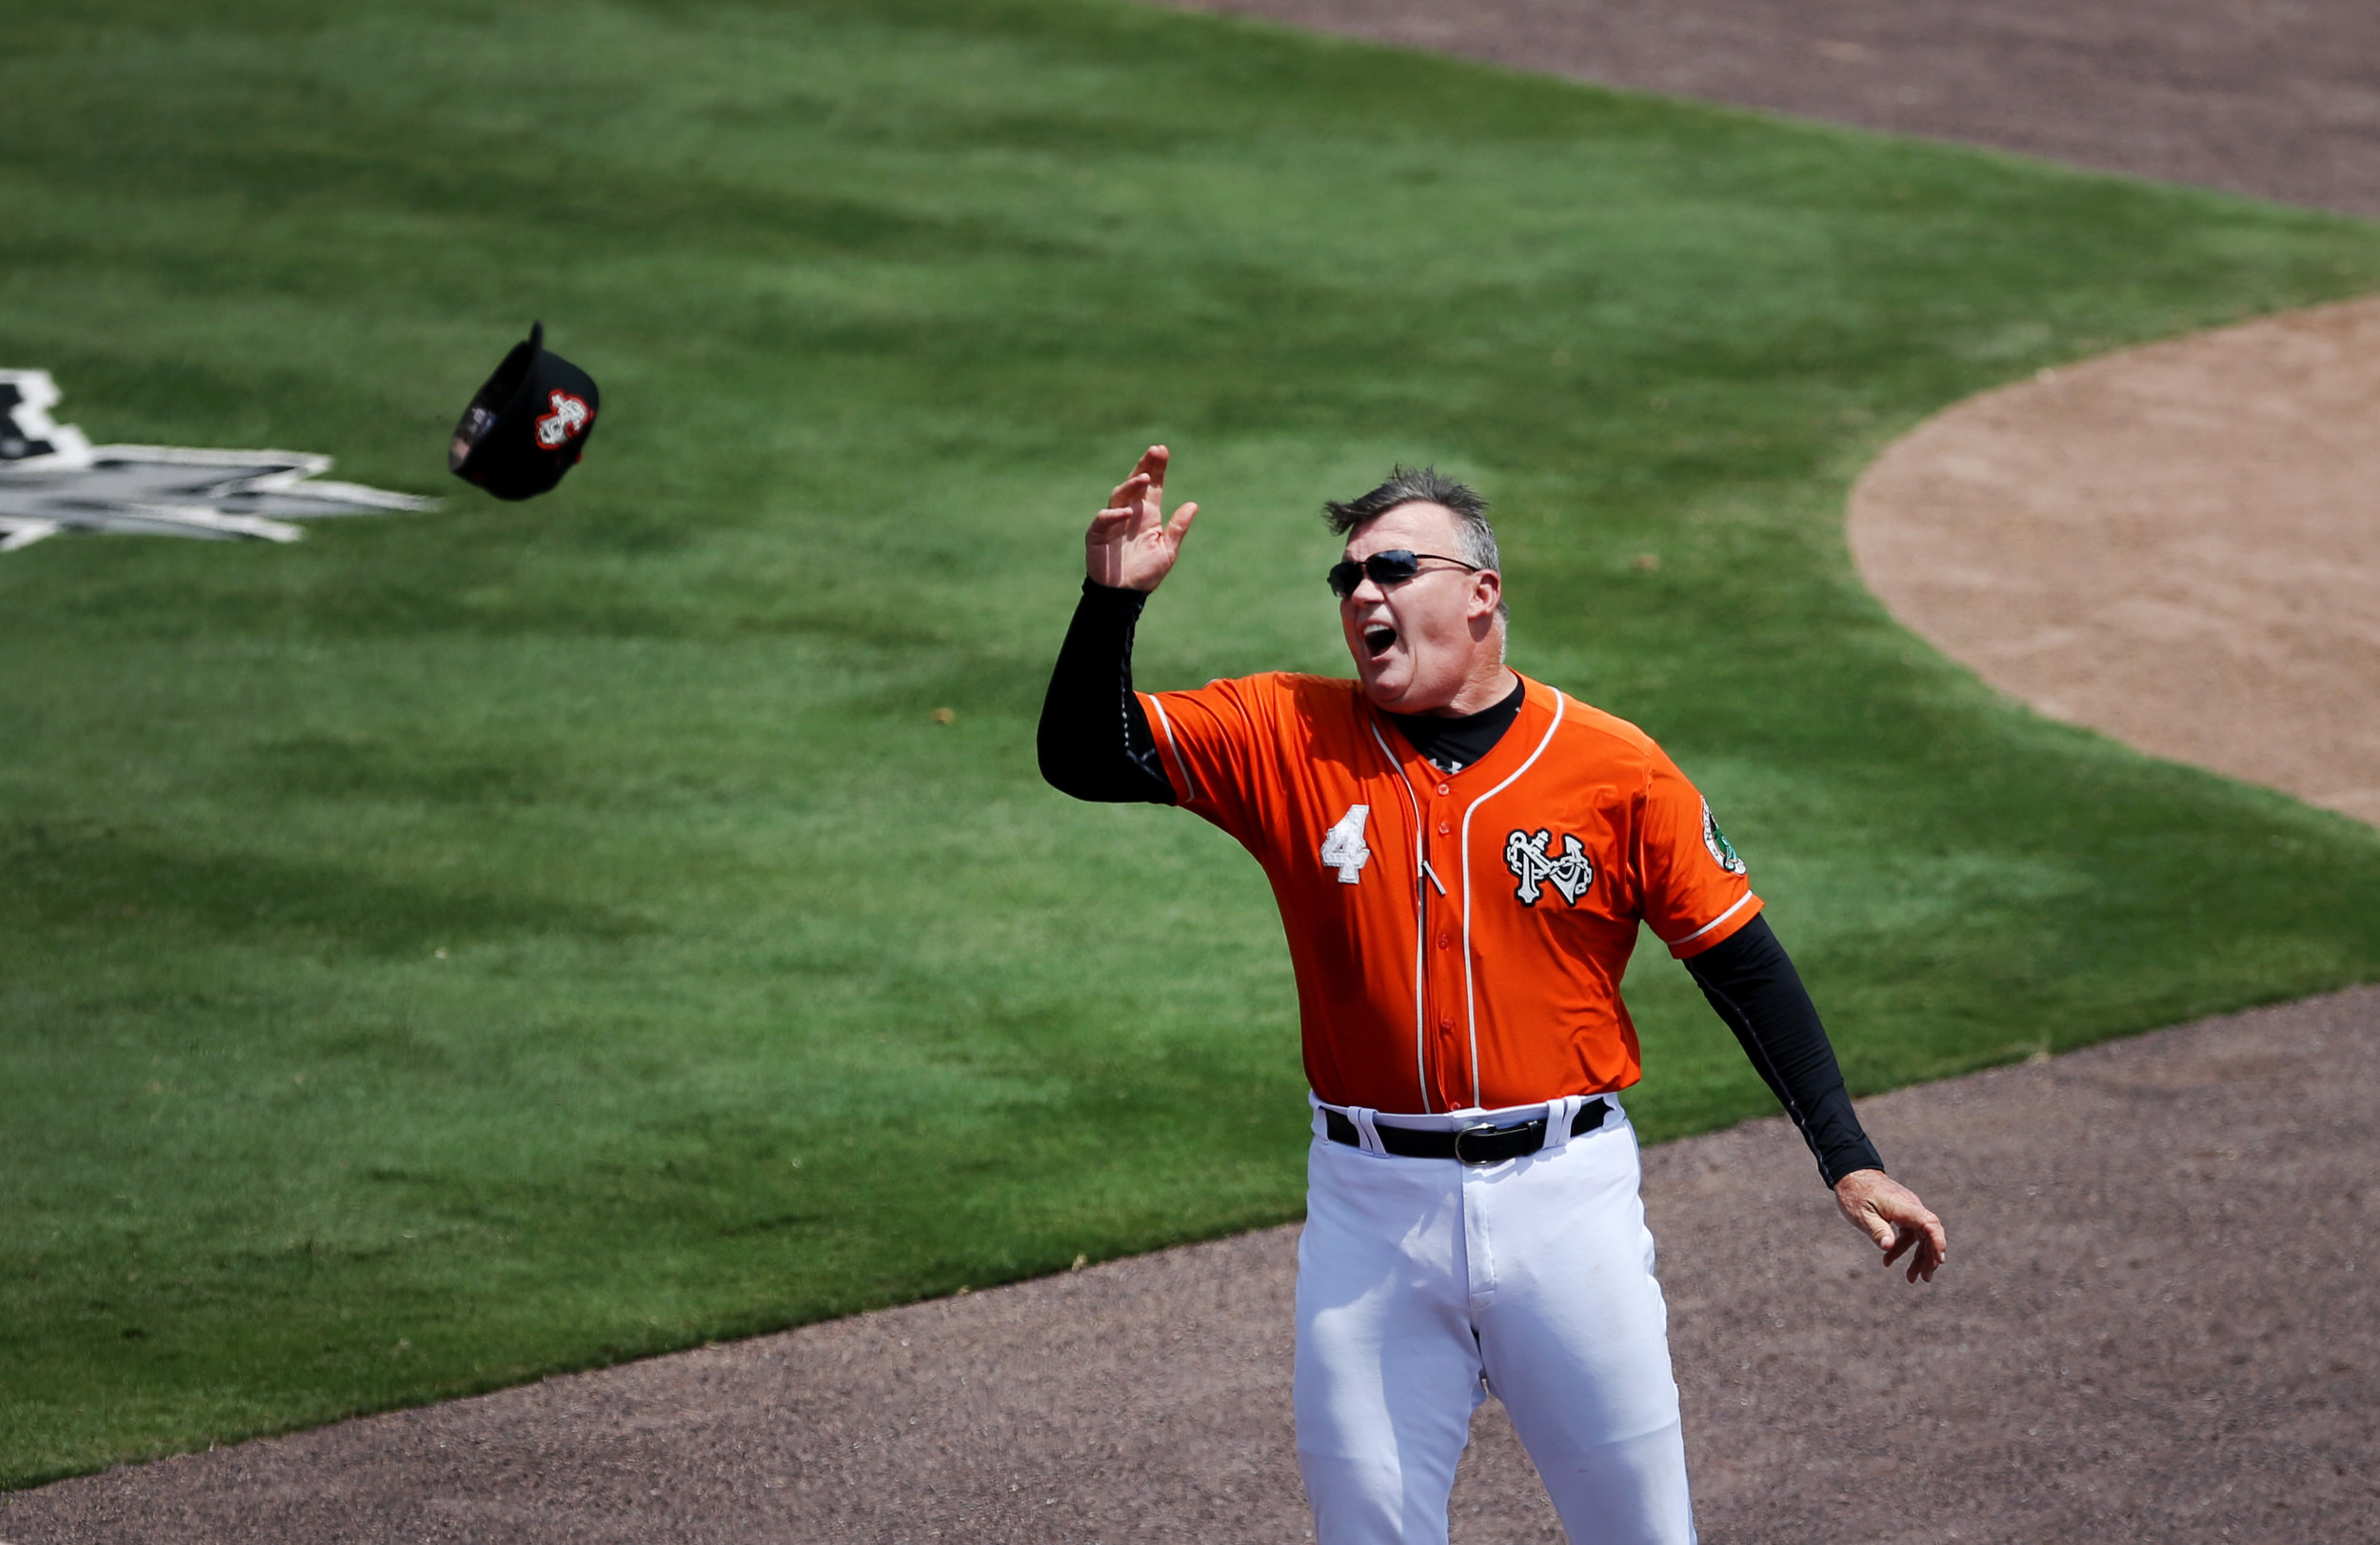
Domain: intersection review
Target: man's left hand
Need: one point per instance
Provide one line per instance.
(1890, 1213)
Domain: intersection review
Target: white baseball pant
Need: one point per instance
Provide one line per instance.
(1418, 1277)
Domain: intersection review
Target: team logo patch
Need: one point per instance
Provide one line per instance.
(1342, 845)
(1530, 856)
(568, 420)
(1722, 852)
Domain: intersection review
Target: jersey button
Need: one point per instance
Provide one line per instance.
(1446, 788)
(1444, 827)
(1446, 940)
(1446, 1022)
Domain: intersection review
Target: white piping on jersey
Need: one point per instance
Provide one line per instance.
(1190, 790)
(1713, 923)
(1470, 1014)
(1420, 908)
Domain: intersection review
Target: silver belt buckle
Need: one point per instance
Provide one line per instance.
(1465, 1132)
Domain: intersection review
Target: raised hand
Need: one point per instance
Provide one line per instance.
(1889, 1214)
(1131, 545)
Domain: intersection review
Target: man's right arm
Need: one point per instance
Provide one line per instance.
(1095, 740)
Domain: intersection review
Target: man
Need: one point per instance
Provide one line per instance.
(1463, 857)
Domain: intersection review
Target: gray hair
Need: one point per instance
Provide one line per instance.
(1474, 538)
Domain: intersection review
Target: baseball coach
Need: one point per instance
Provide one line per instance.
(1463, 857)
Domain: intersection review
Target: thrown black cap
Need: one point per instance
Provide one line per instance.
(528, 425)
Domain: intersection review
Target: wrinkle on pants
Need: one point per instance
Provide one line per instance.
(1419, 1278)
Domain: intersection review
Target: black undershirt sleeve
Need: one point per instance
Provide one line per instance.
(1094, 739)
(1755, 989)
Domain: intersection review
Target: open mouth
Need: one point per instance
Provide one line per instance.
(1378, 639)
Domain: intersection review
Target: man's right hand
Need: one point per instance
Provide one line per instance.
(1131, 545)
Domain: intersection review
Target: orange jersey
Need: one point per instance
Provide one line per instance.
(1459, 938)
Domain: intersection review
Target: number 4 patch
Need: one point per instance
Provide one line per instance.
(1342, 845)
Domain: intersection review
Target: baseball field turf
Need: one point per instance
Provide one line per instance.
(466, 946)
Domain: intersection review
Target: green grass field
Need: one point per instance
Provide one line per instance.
(466, 945)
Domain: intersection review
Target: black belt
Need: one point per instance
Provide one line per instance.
(1481, 1145)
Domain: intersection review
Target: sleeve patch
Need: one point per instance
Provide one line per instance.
(1722, 852)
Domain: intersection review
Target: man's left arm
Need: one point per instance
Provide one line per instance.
(1751, 983)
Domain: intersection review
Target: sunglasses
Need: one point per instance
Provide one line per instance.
(1384, 570)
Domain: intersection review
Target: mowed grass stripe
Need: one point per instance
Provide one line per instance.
(461, 946)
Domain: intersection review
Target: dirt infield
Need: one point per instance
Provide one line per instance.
(2272, 97)
(2162, 1322)
(2178, 545)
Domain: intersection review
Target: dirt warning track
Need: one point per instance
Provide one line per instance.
(2161, 1322)
(2270, 98)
